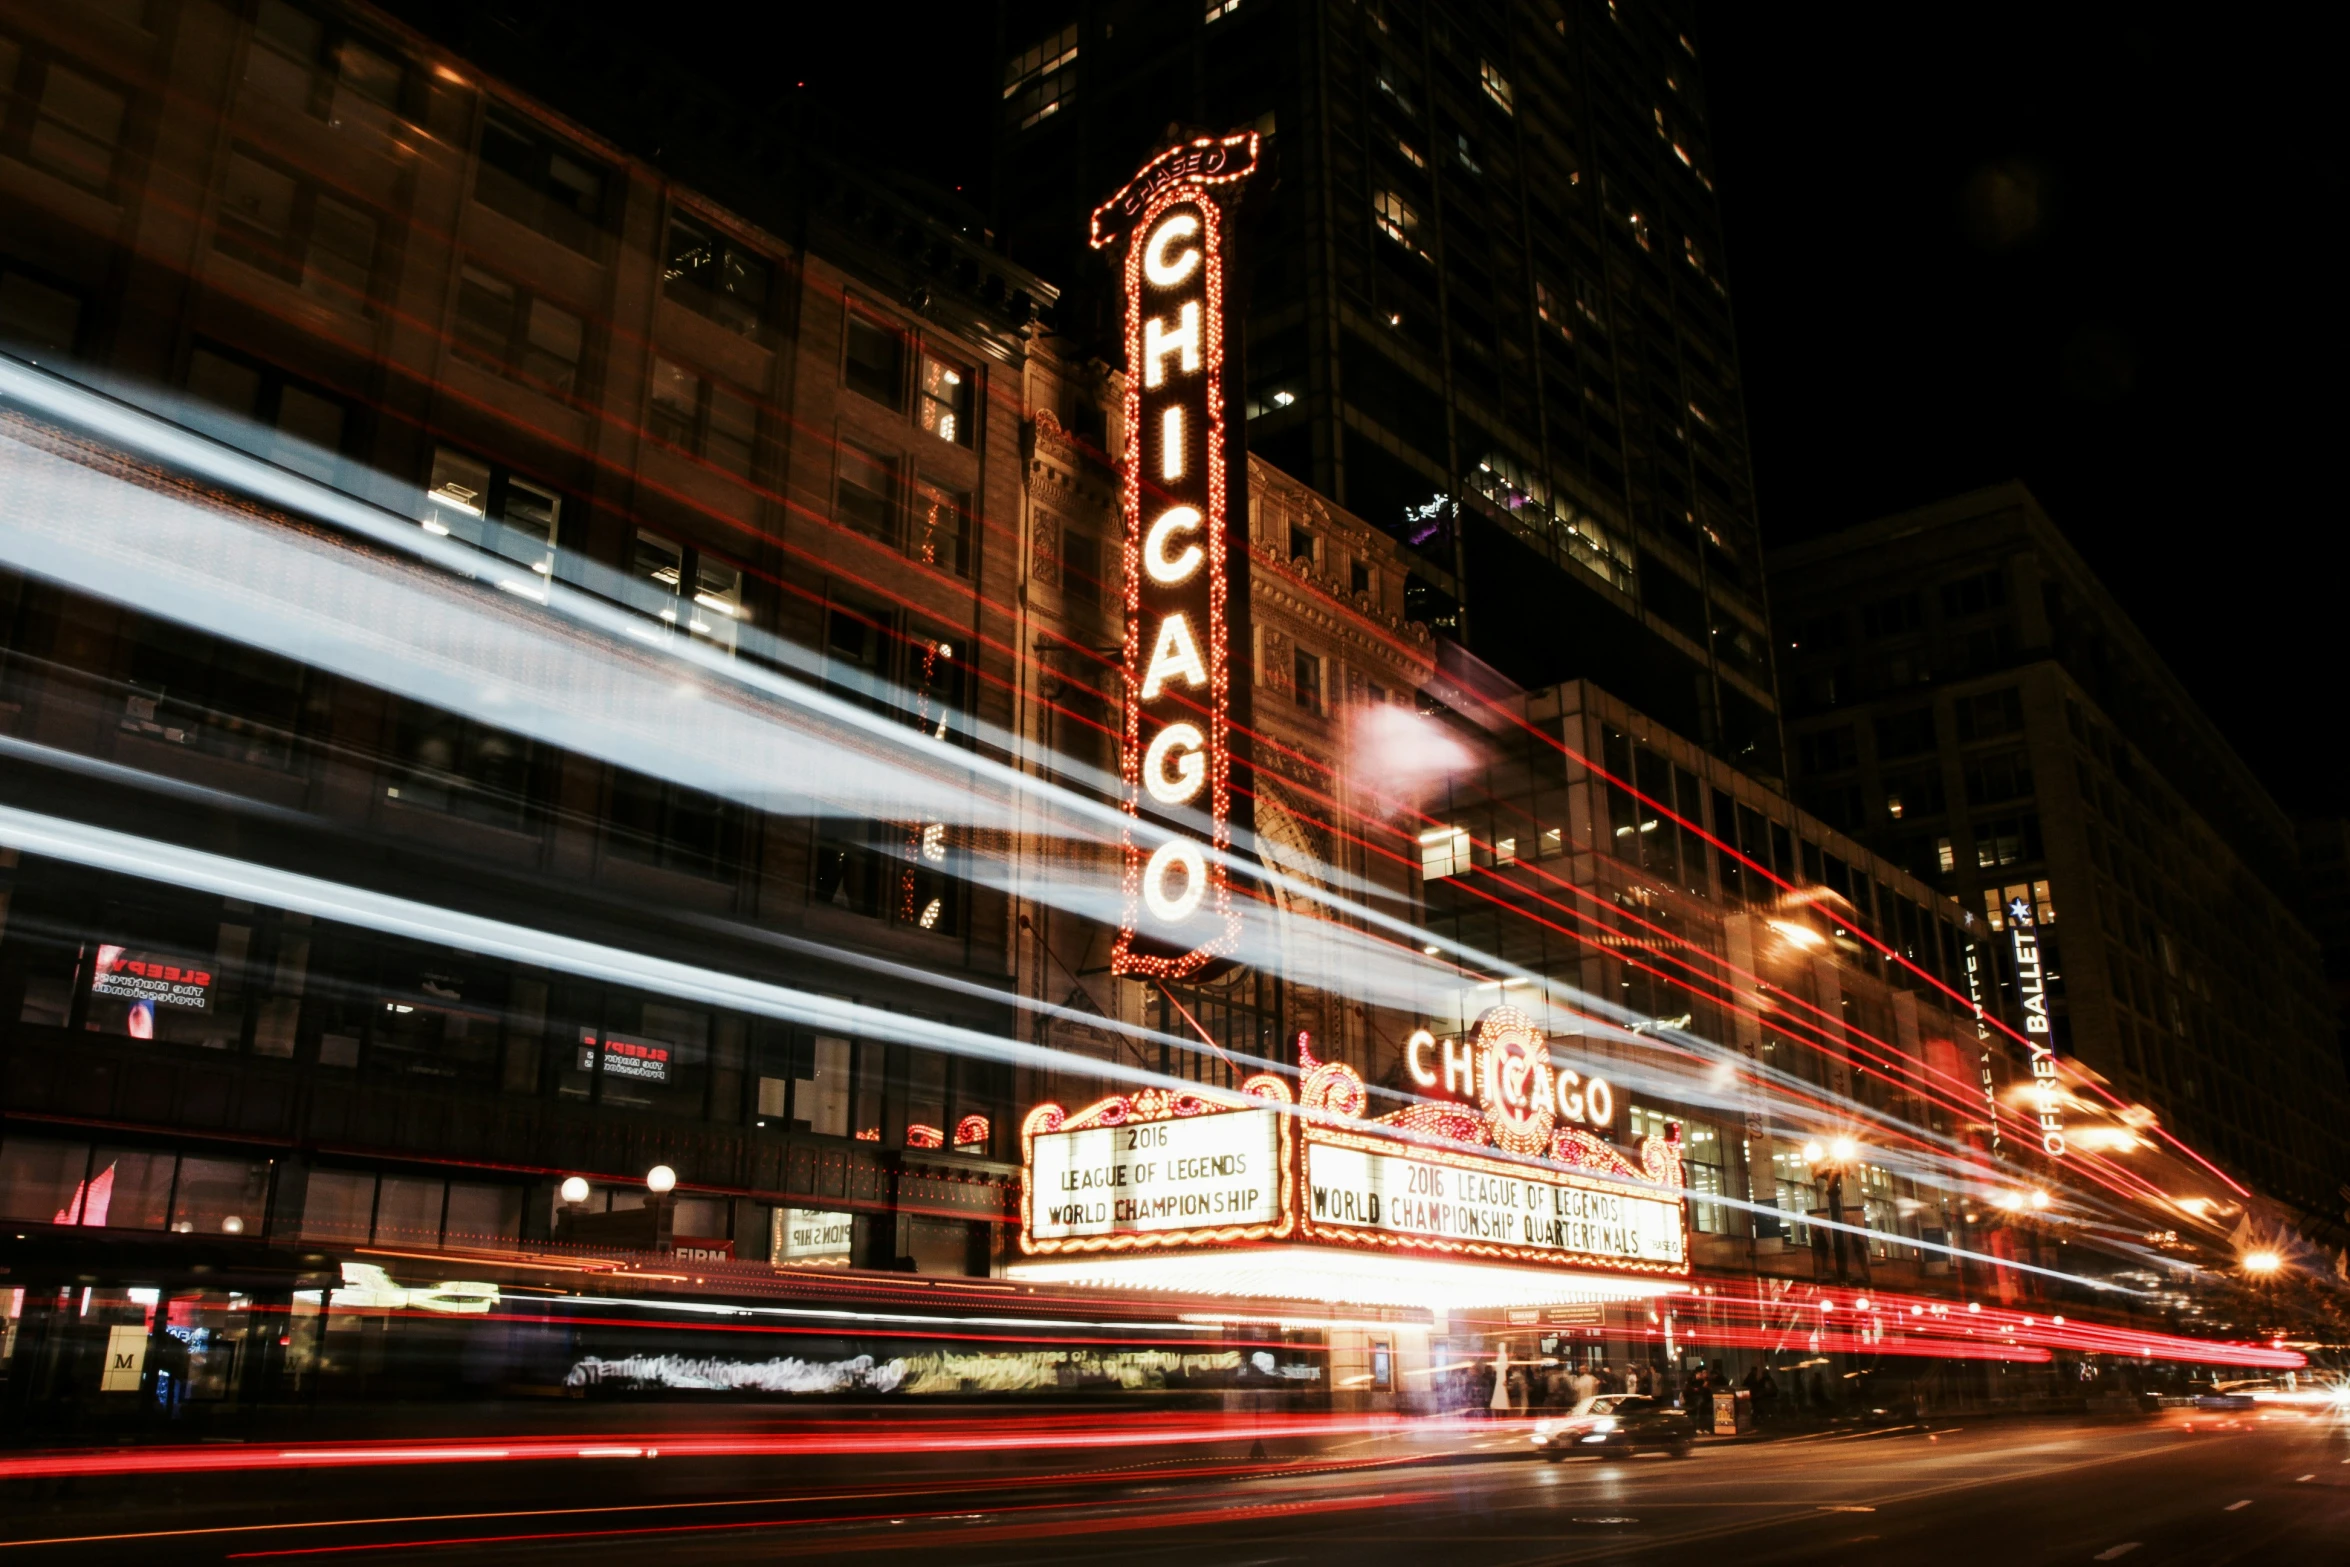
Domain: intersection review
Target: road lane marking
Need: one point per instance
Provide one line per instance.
(2232, 1506)
(2305, 1478)
(1715, 1531)
(1833, 1509)
(2112, 1551)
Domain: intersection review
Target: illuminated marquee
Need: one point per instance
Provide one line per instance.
(1159, 1171)
(2031, 985)
(1177, 913)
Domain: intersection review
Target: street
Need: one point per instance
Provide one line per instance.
(2273, 1486)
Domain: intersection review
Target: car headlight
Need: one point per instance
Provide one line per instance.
(1604, 1423)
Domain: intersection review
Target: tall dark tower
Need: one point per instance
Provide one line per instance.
(1486, 305)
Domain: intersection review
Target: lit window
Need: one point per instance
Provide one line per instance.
(1041, 81)
(486, 506)
(1505, 851)
(1218, 9)
(1444, 851)
(1396, 219)
(1945, 857)
(946, 401)
(1553, 312)
(938, 534)
(1497, 87)
(1411, 154)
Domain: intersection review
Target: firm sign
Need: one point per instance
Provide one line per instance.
(1177, 914)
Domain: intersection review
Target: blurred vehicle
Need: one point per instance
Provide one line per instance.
(1615, 1425)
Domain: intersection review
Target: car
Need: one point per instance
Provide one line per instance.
(1614, 1425)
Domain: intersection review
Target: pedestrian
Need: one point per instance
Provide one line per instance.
(1585, 1385)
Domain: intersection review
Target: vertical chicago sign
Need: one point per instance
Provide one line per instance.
(1177, 913)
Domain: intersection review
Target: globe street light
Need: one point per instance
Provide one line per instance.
(660, 1180)
(574, 1190)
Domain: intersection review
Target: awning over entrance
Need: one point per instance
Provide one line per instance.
(1336, 1276)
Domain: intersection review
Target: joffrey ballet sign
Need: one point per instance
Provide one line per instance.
(1177, 913)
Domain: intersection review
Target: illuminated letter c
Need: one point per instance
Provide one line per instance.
(1421, 1040)
(1163, 271)
(1155, 560)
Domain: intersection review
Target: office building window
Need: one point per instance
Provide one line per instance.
(703, 416)
(199, 693)
(1993, 779)
(1988, 714)
(278, 418)
(874, 363)
(1081, 567)
(662, 822)
(540, 183)
(710, 274)
(1973, 595)
(75, 123)
(2009, 841)
(441, 762)
(1397, 220)
(1497, 87)
(659, 572)
(2034, 895)
(1905, 734)
(1828, 750)
(1444, 851)
(293, 230)
(867, 492)
(504, 327)
(1306, 672)
(322, 69)
(939, 534)
(38, 318)
(946, 401)
(1042, 80)
(485, 505)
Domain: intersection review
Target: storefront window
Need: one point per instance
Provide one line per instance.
(655, 1056)
(926, 1099)
(221, 1197)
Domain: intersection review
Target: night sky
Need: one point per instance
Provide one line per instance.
(2084, 250)
(1967, 243)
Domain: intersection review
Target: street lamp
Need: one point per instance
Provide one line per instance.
(2262, 1262)
(660, 1180)
(574, 1190)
